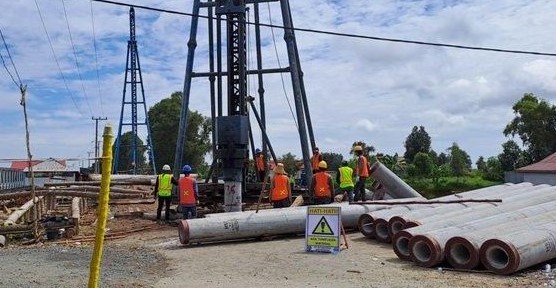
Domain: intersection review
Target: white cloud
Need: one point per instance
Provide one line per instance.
(366, 124)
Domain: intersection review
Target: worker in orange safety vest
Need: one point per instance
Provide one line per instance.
(188, 194)
(280, 189)
(315, 160)
(260, 165)
(361, 173)
(322, 186)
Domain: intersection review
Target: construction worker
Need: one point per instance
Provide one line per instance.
(260, 165)
(188, 194)
(322, 186)
(163, 190)
(280, 189)
(315, 160)
(361, 173)
(344, 178)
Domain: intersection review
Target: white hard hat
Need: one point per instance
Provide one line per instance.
(166, 167)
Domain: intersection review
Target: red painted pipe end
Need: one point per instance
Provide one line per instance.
(183, 231)
(499, 256)
(462, 253)
(425, 251)
(381, 230)
(366, 226)
(396, 224)
(400, 243)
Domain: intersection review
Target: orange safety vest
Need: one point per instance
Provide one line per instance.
(363, 169)
(280, 188)
(322, 187)
(315, 161)
(187, 191)
(259, 161)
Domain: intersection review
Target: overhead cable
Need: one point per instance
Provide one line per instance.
(76, 59)
(96, 57)
(56, 60)
(20, 84)
(350, 35)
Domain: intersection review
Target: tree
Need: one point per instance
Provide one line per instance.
(334, 160)
(417, 141)
(442, 159)
(424, 165)
(512, 156)
(164, 119)
(460, 162)
(493, 169)
(535, 124)
(481, 165)
(289, 163)
(394, 162)
(125, 163)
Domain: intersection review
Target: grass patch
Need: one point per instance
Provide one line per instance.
(448, 185)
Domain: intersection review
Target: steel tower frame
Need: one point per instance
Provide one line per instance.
(133, 68)
(232, 132)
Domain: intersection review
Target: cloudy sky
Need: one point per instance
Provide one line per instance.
(357, 89)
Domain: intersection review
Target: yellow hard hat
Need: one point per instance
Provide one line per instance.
(357, 148)
(323, 165)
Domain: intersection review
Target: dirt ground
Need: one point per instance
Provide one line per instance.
(152, 257)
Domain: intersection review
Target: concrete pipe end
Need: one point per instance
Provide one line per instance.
(499, 256)
(183, 232)
(374, 167)
(381, 231)
(411, 223)
(462, 253)
(400, 243)
(366, 226)
(425, 251)
(396, 224)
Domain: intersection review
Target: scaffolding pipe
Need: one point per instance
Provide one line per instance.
(463, 251)
(396, 186)
(428, 249)
(510, 253)
(366, 221)
(248, 224)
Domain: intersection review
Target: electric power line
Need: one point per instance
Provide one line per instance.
(96, 57)
(12, 61)
(76, 59)
(56, 60)
(350, 35)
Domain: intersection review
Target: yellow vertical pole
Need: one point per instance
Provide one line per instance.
(102, 212)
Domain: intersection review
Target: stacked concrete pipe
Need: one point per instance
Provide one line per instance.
(463, 251)
(428, 249)
(384, 228)
(447, 225)
(510, 253)
(398, 222)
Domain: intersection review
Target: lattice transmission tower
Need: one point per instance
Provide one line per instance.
(133, 78)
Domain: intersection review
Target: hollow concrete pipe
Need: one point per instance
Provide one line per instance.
(454, 226)
(463, 251)
(367, 221)
(428, 249)
(251, 225)
(510, 253)
(415, 218)
(395, 186)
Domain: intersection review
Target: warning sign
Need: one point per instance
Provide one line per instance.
(322, 231)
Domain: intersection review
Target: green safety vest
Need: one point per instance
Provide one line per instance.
(165, 185)
(346, 179)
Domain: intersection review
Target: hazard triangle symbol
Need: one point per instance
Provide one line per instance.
(323, 228)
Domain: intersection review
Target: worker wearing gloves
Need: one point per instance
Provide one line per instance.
(361, 173)
(163, 190)
(344, 178)
(188, 194)
(322, 186)
(280, 189)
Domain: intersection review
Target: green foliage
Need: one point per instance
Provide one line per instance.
(334, 160)
(535, 124)
(289, 163)
(448, 185)
(417, 141)
(164, 119)
(125, 159)
(460, 162)
(394, 162)
(423, 163)
(512, 156)
(492, 170)
(480, 163)
(442, 159)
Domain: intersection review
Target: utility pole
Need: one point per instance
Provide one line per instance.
(96, 119)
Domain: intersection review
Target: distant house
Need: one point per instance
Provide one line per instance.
(542, 172)
(46, 171)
